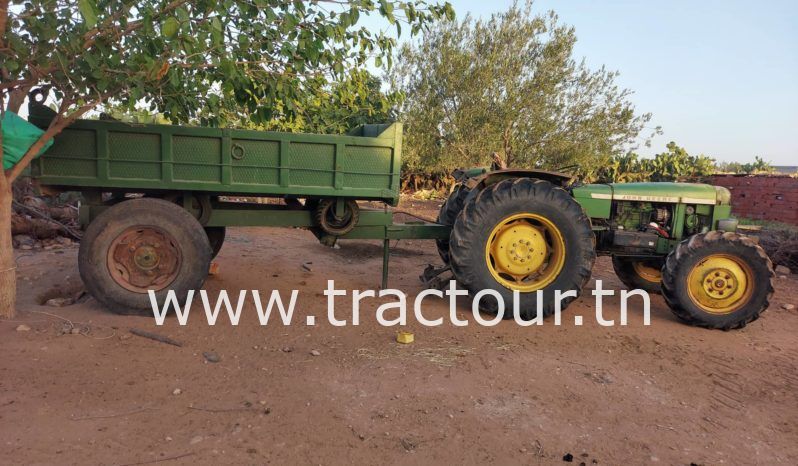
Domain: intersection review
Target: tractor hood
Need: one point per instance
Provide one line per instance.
(686, 193)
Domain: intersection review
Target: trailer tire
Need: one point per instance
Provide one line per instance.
(330, 223)
(552, 233)
(448, 214)
(636, 273)
(142, 244)
(718, 280)
(216, 236)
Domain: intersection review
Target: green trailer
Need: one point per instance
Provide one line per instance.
(159, 197)
(318, 177)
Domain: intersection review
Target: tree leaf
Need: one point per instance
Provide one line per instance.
(170, 27)
(88, 10)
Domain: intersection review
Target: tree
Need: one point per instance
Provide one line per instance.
(510, 85)
(184, 59)
(334, 108)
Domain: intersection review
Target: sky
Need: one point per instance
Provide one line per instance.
(719, 77)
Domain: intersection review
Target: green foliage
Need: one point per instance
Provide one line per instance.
(673, 165)
(332, 108)
(751, 168)
(510, 85)
(202, 59)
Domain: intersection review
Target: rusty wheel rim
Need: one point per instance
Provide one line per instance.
(144, 258)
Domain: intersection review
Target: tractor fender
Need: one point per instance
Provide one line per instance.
(479, 182)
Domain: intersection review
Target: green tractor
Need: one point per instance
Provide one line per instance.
(530, 230)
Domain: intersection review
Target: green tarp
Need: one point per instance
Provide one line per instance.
(18, 136)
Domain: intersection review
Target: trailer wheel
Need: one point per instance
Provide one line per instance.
(331, 223)
(522, 235)
(718, 280)
(216, 237)
(139, 245)
(449, 211)
(643, 274)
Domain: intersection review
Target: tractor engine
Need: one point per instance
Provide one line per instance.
(638, 225)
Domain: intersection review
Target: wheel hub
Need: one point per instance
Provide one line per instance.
(142, 259)
(520, 249)
(146, 257)
(720, 284)
(525, 252)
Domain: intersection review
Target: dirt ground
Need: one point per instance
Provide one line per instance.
(666, 393)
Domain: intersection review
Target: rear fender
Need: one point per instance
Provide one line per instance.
(477, 183)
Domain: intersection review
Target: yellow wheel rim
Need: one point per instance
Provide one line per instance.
(647, 271)
(720, 284)
(525, 252)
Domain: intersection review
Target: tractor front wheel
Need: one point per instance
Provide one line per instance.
(642, 274)
(718, 280)
(522, 235)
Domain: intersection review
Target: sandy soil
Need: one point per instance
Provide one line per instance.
(666, 393)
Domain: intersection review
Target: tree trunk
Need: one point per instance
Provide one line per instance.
(34, 227)
(8, 269)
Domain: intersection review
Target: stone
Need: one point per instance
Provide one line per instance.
(195, 440)
(315, 353)
(60, 302)
(23, 328)
(177, 391)
(788, 307)
(211, 356)
(780, 269)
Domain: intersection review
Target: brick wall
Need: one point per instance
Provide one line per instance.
(762, 197)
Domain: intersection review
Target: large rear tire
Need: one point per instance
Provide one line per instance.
(140, 245)
(642, 274)
(523, 235)
(718, 280)
(448, 214)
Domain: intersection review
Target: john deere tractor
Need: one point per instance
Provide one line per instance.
(537, 230)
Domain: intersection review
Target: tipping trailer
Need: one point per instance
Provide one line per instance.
(157, 200)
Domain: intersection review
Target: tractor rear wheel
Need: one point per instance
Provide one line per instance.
(449, 212)
(140, 245)
(718, 280)
(522, 235)
(642, 274)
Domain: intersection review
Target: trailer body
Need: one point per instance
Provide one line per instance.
(116, 156)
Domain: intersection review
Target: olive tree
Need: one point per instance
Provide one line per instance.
(184, 59)
(509, 85)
